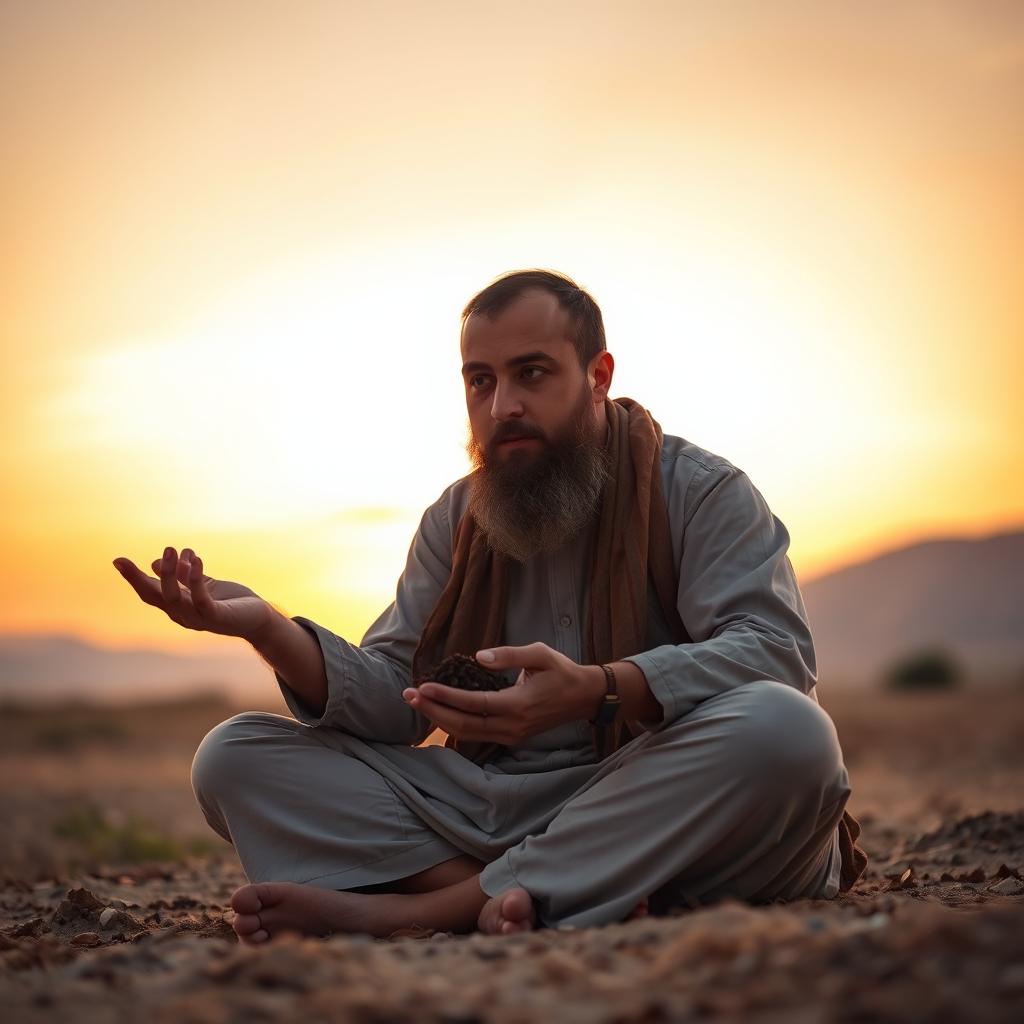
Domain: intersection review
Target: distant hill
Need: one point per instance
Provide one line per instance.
(964, 596)
(45, 667)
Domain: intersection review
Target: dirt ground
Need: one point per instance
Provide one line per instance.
(114, 897)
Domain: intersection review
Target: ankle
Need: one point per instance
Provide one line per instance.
(441, 876)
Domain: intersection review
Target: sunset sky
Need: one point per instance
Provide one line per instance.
(236, 238)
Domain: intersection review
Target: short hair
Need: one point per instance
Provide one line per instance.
(586, 324)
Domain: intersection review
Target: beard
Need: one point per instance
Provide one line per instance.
(533, 502)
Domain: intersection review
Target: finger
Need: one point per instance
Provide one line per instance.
(145, 586)
(197, 585)
(185, 566)
(534, 656)
(473, 701)
(456, 723)
(168, 579)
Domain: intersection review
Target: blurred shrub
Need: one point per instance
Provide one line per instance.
(67, 734)
(925, 670)
(130, 841)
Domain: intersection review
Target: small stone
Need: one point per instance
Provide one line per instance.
(491, 953)
(119, 904)
(86, 939)
(1007, 887)
(106, 916)
(29, 929)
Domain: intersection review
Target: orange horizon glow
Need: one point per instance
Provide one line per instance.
(237, 244)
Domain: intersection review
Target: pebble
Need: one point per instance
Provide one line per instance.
(106, 916)
(1008, 887)
(86, 939)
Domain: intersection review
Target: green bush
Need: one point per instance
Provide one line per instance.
(925, 670)
(132, 841)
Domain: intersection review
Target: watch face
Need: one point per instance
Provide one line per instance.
(606, 715)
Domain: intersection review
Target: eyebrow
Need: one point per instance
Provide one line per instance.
(529, 357)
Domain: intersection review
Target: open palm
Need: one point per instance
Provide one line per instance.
(194, 600)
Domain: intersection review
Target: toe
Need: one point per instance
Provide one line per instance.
(491, 920)
(517, 906)
(255, 938)
(246, 900)
(511, 911)
(246, 924)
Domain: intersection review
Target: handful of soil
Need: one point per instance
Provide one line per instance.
(465, 673)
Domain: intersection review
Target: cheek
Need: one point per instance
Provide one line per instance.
(479, 422)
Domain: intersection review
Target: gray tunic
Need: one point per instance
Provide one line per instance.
(738, 599)
(736, 791)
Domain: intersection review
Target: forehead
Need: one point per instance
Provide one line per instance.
(534, 320)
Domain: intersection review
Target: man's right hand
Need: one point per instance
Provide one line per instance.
(196, 601)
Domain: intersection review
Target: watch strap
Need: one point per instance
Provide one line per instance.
(609, 708)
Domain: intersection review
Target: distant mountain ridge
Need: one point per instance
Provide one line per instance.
(962, 595)
(56, 666)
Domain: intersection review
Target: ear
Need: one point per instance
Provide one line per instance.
(599, 375)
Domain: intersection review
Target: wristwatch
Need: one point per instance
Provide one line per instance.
(610, 705)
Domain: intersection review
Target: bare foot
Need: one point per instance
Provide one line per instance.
(268, 909)
(510, 911)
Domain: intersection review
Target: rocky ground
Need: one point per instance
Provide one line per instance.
(114, 901)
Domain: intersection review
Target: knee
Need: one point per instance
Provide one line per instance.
(225, 758)
(782, 737)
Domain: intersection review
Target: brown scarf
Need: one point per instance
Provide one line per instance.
(634, 544)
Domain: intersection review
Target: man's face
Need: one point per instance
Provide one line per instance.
(524, 384)
(535, 429)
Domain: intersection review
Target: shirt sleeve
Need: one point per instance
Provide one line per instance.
(365, 682)
(738, 599)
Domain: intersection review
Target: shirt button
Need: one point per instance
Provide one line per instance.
(565, 621)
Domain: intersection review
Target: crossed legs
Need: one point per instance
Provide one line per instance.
(738, 798)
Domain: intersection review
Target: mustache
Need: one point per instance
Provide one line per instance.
(509, 431)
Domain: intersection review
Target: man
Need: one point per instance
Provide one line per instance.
(591, 555)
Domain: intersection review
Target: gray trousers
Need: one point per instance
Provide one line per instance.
(739, 798)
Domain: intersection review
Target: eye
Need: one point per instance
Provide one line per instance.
(533, 372)
(477, 381)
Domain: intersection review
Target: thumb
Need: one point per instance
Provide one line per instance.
(531, 656)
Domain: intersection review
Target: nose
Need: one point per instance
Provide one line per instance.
(505, 404)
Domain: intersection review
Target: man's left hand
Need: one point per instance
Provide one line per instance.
(551, 689)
